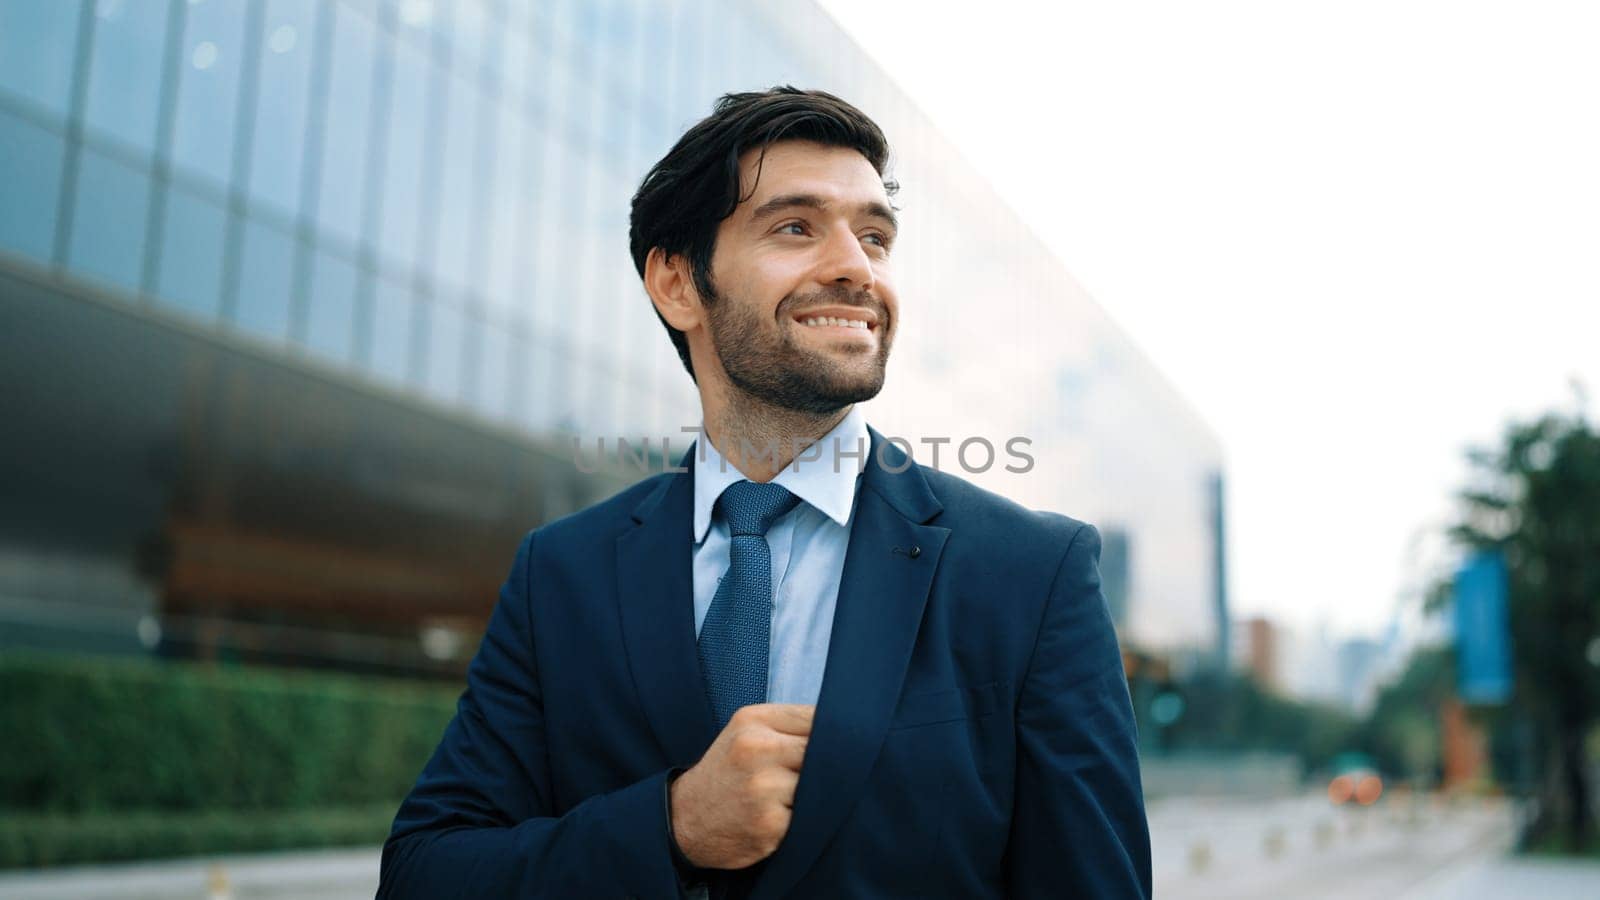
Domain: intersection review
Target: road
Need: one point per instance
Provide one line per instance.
(1203, 850)
(1415, 849)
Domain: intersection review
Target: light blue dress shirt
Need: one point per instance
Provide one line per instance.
(808, 549)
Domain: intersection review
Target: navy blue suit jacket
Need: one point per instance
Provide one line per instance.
(973, 737)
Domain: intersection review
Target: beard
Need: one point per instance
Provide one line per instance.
(774, 368)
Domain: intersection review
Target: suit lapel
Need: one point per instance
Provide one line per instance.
(655, 588)
(882, 593)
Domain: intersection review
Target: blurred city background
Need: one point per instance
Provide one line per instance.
(304, 303)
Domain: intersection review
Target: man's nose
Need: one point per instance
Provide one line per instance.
(845, 262)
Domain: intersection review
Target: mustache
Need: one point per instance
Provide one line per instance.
(838, 296)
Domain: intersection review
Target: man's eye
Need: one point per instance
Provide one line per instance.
(798, 228)
(879, 239)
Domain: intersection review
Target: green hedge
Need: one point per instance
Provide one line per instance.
(33, 840)
(89, 735)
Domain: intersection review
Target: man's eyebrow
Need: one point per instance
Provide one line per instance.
(872, 208)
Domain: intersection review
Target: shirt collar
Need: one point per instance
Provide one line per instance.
(827, 482)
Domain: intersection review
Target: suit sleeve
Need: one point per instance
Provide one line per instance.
(1078, 823)
(479, 822)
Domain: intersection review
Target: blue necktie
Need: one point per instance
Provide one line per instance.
(735, 638)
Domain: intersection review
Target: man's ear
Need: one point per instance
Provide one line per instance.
(668, 281)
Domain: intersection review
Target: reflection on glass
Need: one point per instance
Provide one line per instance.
(331, 307)
(546, 379)
(560, 222)
(393, 310)
(30, 170)
(465, 176)
(208, 89)
(108, 220)
(494, 360)
(524, 241)
(344, 157)
(125, 72)
(266, 281)
(473, 36)
(446, 331)
(515, 52)
(504, 225)
(402, 181)
(288, 34)
(193, 230)
(593, 235)
(530, 396)
(37, 41)
(560, 18)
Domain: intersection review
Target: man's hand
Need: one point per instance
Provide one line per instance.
(732, 808)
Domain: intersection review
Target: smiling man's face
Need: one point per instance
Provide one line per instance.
(805, 310)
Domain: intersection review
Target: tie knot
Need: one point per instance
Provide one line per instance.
(751, 508)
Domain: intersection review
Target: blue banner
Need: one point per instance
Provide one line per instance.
(1483, 640)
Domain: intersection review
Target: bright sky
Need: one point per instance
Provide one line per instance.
(1358, 236)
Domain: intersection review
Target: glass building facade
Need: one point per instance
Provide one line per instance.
(328, 288)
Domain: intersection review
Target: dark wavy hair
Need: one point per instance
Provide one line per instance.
(688, 193)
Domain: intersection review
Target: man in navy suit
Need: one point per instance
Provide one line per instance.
(801, 664)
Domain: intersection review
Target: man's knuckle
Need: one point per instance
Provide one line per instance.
(753, 743)
(774, 821)
(766, 782)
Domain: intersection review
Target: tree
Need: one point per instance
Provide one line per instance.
(1536, 499)
(1401, 734)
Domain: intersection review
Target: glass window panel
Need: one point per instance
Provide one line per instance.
(418, 18)
(494, 361)
(596, 235)
(208, 88)
(393, 311)
(471, 30)
(559, 250)
(463, 176)
(344, 158)
(597, 414)
(125, 72)
(586, 107)
(614, 55)
(516, 53)
(108, 219)
(266, 281)
(37, 42)
(30, 170)
(637, 329)
(555, 89)
(560, 17)
(330, 312)
(447, 331)
(506, 210)
(288, 37)
(550, 379)
(193, 231)
(525, 240)
(402, 181)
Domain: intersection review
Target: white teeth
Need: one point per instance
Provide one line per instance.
(833, 320)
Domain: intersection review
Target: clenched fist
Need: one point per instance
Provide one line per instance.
(732, 808)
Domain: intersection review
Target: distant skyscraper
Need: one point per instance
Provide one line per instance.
(1258, 654)
(1219, 569)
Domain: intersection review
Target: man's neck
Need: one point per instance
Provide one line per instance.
(758, 439)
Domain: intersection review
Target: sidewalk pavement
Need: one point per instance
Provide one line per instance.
(1526, 877)
(318, 875)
